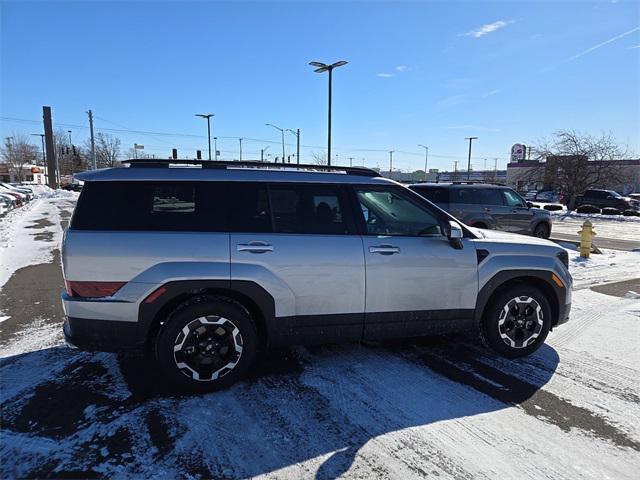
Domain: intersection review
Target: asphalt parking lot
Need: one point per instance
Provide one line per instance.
(435, 407)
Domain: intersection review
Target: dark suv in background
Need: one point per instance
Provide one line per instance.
(487, 206)
(607, 198)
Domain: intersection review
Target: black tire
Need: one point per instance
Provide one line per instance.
(541, 231)
(587, 209)
(611, 211)
(207, 357)
(496, 321)
(631, 213)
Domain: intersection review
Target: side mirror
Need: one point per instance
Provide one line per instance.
(529, 204)
(455, 235)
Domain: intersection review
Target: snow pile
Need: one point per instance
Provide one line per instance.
(44, 191)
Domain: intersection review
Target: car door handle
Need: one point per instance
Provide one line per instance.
(384, 249)
(255, 247)
(486, 209)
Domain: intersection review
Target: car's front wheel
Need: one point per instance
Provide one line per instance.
(207, 344)
(516, 322)
(541, 231)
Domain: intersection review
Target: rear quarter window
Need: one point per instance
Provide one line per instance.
(153, 206)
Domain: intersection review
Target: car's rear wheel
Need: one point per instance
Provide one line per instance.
(516, 322)
(207, 344)
(541, 231)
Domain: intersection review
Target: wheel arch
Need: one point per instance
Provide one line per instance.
(503, 280)
(258, 302)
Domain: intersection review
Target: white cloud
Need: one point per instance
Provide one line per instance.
(635, 46)
(385, 75)
(401, 68)
(487, 28)
(595, 47)
(491, 93)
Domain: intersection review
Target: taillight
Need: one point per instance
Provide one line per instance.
(92, 289)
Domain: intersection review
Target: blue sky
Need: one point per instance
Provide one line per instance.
(422, 72)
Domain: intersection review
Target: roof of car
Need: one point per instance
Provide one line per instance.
(457, 185)
(197, 170)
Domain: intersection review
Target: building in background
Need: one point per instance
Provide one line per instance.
(30, 173)
(527, 175)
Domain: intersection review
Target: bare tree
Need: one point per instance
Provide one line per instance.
(107, 150)
(319, 158)
(574, 161)
(17, 152)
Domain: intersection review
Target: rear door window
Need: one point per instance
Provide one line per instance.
(491, 196)
(433, 194)
(308, 209)
(470, 196)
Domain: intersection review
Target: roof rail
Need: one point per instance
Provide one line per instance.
(226, 164)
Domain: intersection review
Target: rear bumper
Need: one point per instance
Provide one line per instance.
(102, 335)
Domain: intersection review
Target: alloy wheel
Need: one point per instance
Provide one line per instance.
(520, 322)
(208, 348)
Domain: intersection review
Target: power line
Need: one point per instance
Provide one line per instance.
(249, 139)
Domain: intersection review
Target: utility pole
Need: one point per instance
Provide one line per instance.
(426, 159)
(455, 170)
(93, 141)
(350, 161)
(52, 170)
(215, 148)
(240, 140)
(471, 139)
(390, 162)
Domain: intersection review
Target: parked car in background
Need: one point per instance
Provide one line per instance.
(488, 206)
(607, 198)
(73, 187)
(9, 201)
(548, 196)
(19, 197)
(27, 192)
(531, 195)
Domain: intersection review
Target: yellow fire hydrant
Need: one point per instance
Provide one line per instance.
(586, 238)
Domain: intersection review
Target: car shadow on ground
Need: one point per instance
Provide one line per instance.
(68, 413)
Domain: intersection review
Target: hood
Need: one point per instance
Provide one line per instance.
(504, 237)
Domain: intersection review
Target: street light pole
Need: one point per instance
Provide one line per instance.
(471, 139)
(215, 148)
(262, 150)
(240, 140)
(426, 159)
(70, 142)
(390, 162)
(208, 117)
(323, 67)
(282, 132)
(41, 135)
(297, 134)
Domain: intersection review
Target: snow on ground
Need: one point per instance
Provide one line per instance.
(408, 409)
(605, 226)
(609, 266)
(19, 245)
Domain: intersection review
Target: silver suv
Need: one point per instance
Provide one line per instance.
(205, 266)
(488, 206)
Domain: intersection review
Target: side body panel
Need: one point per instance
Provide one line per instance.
(317, 281)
